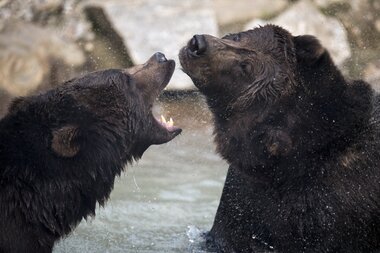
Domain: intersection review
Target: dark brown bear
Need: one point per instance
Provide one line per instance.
(303, 144)
(60, 151)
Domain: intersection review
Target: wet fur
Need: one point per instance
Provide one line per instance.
(60, 153)
(303, 144)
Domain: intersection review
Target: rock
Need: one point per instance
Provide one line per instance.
(63, 15)
(27, 10)
(362, 21)
(372, 74)
(27, 55)
(73, 24)
(304, 18)
(148, 26)
(377, 25)
(47, 6)
(328, 3)
(228, 11)
(107, 49)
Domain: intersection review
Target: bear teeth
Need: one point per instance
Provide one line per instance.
(163, 120)
(169, 123)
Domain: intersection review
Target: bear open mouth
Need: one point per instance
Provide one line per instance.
(169, 68)
(164, 130)
(168, 124)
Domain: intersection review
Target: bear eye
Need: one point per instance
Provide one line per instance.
(236, 37)
(245, 67)
(128, 79)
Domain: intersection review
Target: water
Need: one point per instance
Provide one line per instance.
(165, 201)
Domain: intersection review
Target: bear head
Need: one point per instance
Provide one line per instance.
(274, 96)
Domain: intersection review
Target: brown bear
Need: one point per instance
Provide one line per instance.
(61, 150)
(302, 142)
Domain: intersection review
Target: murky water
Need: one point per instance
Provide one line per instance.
(162, 203)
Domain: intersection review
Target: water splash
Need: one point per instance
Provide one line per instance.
(194, 234)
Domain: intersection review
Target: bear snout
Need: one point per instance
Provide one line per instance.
(197, 46)
(160, 57)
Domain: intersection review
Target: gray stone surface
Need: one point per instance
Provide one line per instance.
(27, 53)
(228, 11)
(372, 74)
(304, 18)
(362, 21)
(327, 3)
(63, 16)
(148, 26)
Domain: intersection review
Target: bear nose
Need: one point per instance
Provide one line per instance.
(160, 57)
(197, 45)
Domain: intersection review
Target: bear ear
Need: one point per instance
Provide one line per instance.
(278, 143)
(308, 49)
(65, 141)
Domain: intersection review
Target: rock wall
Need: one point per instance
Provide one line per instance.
(148, 26)
(304, 18)
(68, 37)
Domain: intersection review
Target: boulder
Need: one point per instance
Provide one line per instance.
(304, 18)
(362, 21)
(27, 55)
(228, 12)
(64, 16)
(329, 3)
(372, 74)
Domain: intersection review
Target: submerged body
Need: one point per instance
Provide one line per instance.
(60, 151)
(303, 144)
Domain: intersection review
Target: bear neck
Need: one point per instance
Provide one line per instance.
(26, 162)
(316, 131)
(12, 141)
